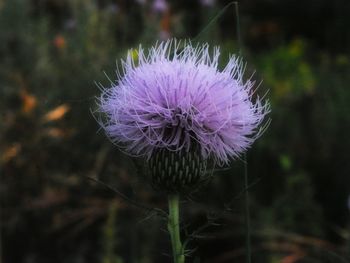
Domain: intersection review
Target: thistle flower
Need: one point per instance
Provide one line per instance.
(174, 107)
(160, 6)
(207, 3)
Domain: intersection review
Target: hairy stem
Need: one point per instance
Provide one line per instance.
(174, 228)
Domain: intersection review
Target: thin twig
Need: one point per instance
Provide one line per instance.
(129, 200)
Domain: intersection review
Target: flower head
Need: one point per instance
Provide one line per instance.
(207, 3)
(174, 98)
(160, 6)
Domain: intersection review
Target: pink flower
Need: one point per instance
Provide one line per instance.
(174, 98)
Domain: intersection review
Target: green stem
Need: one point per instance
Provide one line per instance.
(247, 212)
(174, 228)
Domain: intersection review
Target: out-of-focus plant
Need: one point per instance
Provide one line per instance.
(110, 236)
(286, 72)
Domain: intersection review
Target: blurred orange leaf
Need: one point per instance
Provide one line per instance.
(28, 101)
(293, 258)
(165, 22)
(11, 152)
(50, 197)
(58, 133)
(59, 42)
(57, 113)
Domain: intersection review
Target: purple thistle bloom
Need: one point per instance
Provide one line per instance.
(175, 97)
(208, 3)
(160, 6)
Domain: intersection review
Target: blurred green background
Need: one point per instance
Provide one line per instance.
(51, 54)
